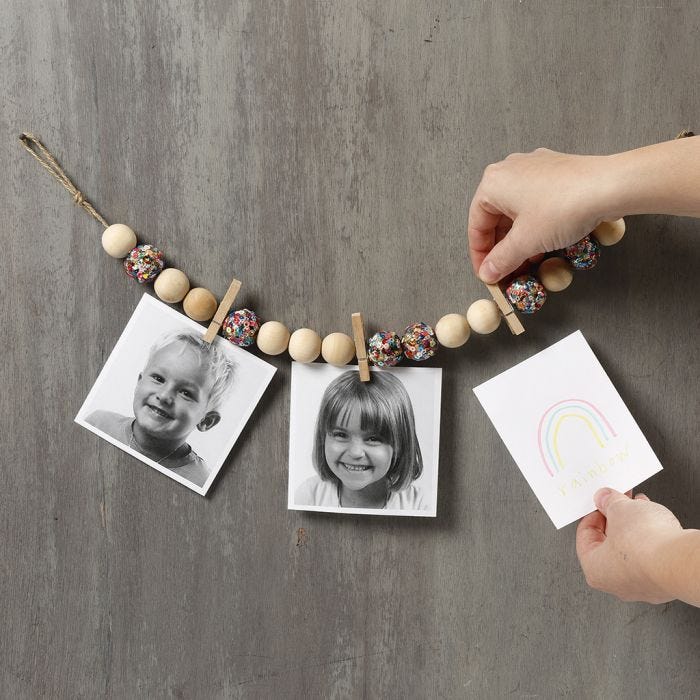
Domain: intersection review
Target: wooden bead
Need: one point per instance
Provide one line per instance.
(118, 240)
(304, 345)
(610, 232)
(273, 338)
(338, 349)
(483, 316)
(199, 304)
(452, 330)
(171, 285)
(555, 274)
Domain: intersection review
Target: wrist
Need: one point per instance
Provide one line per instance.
(606, 188)
(621, 183)
(674, 565)
(657, 179)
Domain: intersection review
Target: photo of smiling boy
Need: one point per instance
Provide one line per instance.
(179, 390)
(366, 451)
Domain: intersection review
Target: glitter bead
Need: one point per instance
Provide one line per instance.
(584, 254)
(526, 293)
(419, 342)
(240, 327)
(384, 349)
(144, 262)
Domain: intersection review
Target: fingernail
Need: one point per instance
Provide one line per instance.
(600, 498)
(488, 272)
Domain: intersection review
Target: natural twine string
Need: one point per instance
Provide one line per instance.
(48, 162)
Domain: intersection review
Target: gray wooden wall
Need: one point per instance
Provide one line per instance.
(325, 153)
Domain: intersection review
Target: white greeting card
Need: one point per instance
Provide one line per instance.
(567, 428)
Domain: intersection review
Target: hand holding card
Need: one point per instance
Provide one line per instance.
(567, 428)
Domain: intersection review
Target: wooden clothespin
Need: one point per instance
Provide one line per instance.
(358, 332)
(222, 311)
(516, 328)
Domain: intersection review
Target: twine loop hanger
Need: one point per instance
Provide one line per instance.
(37, 149)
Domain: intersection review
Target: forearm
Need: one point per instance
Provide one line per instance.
(676, 566)
(660, 179)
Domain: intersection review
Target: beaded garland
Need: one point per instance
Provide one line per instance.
(385, 348)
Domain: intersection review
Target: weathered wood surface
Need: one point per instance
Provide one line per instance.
(325, 153)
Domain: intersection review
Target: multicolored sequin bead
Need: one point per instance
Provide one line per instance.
(419, 342)
(384, 349)
(526, 293)
(144, 262)
(584, 254)
(241, 327)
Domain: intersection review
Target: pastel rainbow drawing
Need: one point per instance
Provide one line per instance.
(569, 409)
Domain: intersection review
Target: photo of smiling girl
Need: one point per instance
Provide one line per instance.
(366, 451)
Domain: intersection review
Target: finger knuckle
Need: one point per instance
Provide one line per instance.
(593, 578)
(491, 171)
(592, 581)
(615, 507)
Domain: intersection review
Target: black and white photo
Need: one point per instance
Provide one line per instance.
(364, 447)
(171, 399)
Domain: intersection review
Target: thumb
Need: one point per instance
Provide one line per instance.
(506, 256)
(604, 499)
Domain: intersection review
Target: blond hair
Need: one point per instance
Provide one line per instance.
(219, 366)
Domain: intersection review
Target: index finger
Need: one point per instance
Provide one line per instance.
(481, 230)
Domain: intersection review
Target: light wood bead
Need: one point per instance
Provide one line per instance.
(610, 232)
(118, 240)
(273, 338)
(452, 330)
(483, 316)
(171, 285)
(199, 304)
(555, 274)
(304, 345)
(338, 349)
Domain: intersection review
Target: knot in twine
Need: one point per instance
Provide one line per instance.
(37, 149)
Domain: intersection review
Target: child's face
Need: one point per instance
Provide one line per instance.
(172, 393)
(357, 457)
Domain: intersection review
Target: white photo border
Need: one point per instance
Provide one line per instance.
(242, 358)
(297, 421)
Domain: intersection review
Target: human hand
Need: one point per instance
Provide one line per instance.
(620, 546)
(532, 203)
